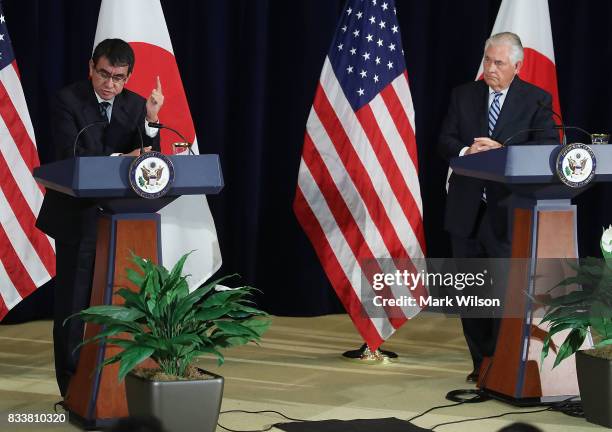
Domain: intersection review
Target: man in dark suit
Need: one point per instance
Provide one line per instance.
(120, 116)
(482, 115)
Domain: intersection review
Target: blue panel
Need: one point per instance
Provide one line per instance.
(107, 177)
(530, 170)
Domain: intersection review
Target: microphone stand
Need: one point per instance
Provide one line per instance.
(562, 124)
(83, 129)
(141, 141)
(555, 127)
(162, 126)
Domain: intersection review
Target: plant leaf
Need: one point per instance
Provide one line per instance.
(131, 357)
(220, 298)
(115, 312)
(212, 313)
(601, 319)
(603, 343)
(135, 277)
(232, 328)
(186, 303)
(571, 344)
(258, 325)
(545, 349)
(186, 339)
(568, 299)
(177, 269)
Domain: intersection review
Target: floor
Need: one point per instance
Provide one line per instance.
(298, 371)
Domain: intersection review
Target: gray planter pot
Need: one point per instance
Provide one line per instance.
(182, 406)
(595, 383)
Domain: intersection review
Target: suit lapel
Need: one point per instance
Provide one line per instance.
(89, 105)
(511, 107)
(93, 138)
(119, 117)
(482, 107)
(121, 127)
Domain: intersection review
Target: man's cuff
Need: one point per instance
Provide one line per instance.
(151, 132)
(463, 150)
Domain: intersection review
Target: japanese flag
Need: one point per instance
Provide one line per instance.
(186, 224)
(530, 20)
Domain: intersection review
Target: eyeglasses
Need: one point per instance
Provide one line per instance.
(117, 79)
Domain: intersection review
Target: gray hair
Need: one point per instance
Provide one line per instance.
(510, 39)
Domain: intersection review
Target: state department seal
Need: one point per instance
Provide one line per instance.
(576, 165)
(151, 175)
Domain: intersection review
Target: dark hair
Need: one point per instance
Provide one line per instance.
(117, 51)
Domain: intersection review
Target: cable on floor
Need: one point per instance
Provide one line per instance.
(257, 412)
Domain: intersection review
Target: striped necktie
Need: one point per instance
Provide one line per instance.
(104, 110)
(494, 110)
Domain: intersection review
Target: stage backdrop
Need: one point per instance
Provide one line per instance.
(250, 68)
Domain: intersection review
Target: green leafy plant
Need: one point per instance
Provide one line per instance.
(587, 310)
(167, 323)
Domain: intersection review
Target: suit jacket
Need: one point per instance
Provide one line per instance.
(67, 218)
(467, 118)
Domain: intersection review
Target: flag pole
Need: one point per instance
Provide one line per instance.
(364, 355)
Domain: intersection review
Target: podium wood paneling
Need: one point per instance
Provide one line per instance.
(544, 227)
(95, 396)
(514, 372)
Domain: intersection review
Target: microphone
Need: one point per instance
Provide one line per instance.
(162, 126)
(554, 113)
(141, 141)
(528, 130)
(555, 127)
(83, 129)
(563, 125)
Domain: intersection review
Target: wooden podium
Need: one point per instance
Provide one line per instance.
(544, 226)
(95, 398)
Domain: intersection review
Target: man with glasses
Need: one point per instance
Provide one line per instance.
(119, 117)
(482, 115)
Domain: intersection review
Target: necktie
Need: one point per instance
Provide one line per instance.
(494, 110)
(104, 110)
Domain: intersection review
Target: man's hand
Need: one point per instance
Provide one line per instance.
(155, 102)
(136, 152)
(481, 144)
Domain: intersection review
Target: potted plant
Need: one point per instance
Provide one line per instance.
(165, 322)
(587, 312)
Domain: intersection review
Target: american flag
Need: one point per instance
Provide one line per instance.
(358, 197)
(27, 256)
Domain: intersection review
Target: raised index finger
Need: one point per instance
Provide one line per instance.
(159, 87)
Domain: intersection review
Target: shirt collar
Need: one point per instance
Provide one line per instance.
(111, 101)
(504, 92)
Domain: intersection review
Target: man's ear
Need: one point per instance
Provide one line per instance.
(91, 67)
(518, 66)
(127, 78)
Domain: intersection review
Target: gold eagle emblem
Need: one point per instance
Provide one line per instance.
(153, 174)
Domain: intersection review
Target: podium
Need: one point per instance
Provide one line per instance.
(95, 398)
(544, 226)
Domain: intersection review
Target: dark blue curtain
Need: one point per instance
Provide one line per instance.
(250, 69)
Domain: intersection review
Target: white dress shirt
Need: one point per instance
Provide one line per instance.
(151, 132)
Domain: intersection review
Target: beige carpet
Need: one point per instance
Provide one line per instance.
(298, 370)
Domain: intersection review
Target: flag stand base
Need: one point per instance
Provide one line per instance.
(366, 356)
